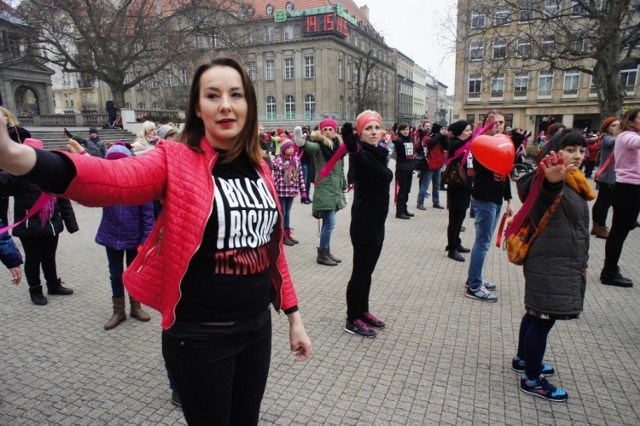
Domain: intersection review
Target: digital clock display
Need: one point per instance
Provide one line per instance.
(329, 23)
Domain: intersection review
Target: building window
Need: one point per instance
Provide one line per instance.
(576, 45)
(287, 32)
(155, 105)
(269, 70)
(526, 11)
(521, 85)
(628, 77)
(214, 41)
(155, 82)
(340, 67)
(545, 83)
(184, 76)
(349, 107)
(552, 7)
(341, 107)
(577, 9)
(571, 82)
(169, 75)
(548, 45)
(497, 86)
(271, 108)
(251, 36)
(288, 69)
(349, 71)
(268, 34)
(500, 49)
(476, 51)
(197, 41)
(289, 107)
(309, 67)
(475, 86)
(252, 70)
(502, 15)
(141, 105)
(523, 47)
(477, 20)
(593, 90)
(309, 107)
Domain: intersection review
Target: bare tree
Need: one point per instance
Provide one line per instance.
(367, 89)
(599, 38)
(122, 42)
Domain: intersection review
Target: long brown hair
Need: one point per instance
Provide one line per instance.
(248, 140)
(628, 118)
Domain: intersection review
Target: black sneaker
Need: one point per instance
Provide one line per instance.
(518, 365)
(360, 328)
(372, 321)
(540, 387)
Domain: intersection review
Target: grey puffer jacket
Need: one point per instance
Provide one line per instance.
(555, 268)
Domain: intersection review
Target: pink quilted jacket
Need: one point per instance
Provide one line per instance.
(181, 178)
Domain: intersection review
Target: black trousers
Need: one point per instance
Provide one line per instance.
(600, 208)
(404, 179)
(625, 199)
(4, 210)
(456, 217)
(40, 251)
(219, 369)
(367, 246)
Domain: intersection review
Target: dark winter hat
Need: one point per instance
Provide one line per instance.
(93, 130)
(606, 123)
(436, 128)
(116, 152)
(458, 127)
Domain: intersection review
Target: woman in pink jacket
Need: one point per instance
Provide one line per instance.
(214, 259)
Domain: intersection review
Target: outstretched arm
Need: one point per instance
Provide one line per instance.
(15, 158)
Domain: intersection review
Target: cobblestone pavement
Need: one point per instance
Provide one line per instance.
(443, 358)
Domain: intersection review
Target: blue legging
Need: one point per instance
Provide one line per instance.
(533, 343)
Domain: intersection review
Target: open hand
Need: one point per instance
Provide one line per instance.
(554, 168)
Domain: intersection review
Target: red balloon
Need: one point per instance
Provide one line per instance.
(496, 153)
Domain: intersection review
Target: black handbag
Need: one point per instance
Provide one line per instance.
(455, 175)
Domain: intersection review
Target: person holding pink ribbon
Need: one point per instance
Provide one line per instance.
(330, 184)
(39, 232)
(372, 179)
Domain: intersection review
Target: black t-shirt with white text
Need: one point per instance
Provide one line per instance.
(229, 277)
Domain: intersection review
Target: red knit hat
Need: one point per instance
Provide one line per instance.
(606, 123)
(327, 122)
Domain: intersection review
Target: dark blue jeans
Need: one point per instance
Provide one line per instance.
(285, 205)
(116, 268)
(220, 370)
(487, 214)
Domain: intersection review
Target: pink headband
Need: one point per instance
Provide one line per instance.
(364, 119)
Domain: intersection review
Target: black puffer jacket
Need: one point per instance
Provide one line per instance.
(555, 268)
(25, 196)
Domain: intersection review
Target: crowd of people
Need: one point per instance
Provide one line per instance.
(213, 265)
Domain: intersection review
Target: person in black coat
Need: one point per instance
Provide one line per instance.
(372, 179)
(39, 233)
(404, 170)
(458, 197)
(17, 134)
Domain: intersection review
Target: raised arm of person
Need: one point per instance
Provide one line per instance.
(15, 158)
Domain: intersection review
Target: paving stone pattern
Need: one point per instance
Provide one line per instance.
(442, 359)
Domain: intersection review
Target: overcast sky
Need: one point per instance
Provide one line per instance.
(417, 29)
